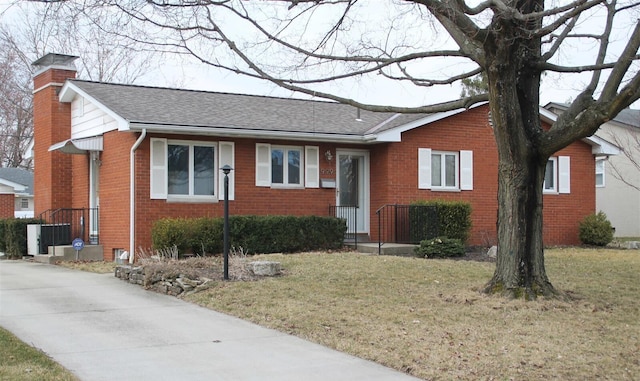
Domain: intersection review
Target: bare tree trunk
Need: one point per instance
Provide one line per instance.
(520, 270)
(514, 95)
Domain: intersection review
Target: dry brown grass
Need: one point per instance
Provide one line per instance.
(427, 317)
(98, 267)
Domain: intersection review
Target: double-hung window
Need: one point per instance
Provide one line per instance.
(600, 173)
(557, 175)
(550, 175)
(287, 166)
(189, 171)
(445, 170)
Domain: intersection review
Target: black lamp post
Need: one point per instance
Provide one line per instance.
(226, 169)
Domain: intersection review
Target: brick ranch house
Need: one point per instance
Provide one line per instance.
(144, 153)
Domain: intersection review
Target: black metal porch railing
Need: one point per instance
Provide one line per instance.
(408, 224)
(349, 213)
(62, 226)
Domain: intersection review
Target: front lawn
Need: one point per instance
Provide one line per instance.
(427, 317)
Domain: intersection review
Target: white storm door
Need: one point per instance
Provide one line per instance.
(352, 189)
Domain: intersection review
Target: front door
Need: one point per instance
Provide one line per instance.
(352, 189)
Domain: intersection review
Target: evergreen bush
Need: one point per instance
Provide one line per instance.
(453, 219)
(255, 234)
(440, 247)
(595, 229)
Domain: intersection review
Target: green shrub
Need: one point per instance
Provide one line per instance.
(169, 232)
(453, 220)
(3, 239)
(15, 236)
(440, 247)
(255, 234)
(595, 229)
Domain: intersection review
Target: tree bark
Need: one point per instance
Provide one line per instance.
(514, 104)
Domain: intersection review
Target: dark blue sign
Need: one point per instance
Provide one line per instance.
(78, 244)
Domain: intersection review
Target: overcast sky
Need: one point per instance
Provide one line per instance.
(555, 87)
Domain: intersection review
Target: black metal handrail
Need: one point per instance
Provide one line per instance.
(347, 213)
(408, 224)
(70, 223)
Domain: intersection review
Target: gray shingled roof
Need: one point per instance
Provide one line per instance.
(165, 106)
(18, 176)
(627, 116)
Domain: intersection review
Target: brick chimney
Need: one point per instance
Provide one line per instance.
(51, 124)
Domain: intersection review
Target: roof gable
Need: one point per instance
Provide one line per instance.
(19, 179)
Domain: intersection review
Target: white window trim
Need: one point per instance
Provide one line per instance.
(553, 189)
(192, 197)
(601, 172)
(309, 166)
(159, 170)
(285, 166)
(443, 173)
(464, 170)
(562, 176)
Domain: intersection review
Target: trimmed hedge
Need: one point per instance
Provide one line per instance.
(13, 236)
(255, 234)
(453, 220)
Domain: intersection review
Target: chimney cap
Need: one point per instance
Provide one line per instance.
(56, 59)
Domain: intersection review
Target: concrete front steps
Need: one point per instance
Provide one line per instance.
(398, 249)
(68, 253)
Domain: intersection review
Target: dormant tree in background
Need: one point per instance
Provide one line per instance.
(35, 30)
(313, 46)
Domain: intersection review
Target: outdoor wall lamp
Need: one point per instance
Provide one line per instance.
(328, 155)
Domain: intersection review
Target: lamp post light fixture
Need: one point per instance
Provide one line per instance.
(226, 169)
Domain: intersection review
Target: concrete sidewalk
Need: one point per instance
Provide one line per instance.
(102, 328)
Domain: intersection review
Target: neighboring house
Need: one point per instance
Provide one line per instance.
(618, 176)
(16, 193)
(143, 153)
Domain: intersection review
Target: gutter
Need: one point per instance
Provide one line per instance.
(132, 196)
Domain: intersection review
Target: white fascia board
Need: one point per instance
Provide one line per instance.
(548, 116)
(249, 133)
(395, 134)
(69, 91)
(16, 187)
(601, 147)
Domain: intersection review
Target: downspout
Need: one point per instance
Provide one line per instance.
(132, 196)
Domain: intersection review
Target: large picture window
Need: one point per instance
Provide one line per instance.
(191, 169)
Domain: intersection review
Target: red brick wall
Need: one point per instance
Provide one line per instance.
(393, 180)
(397, 165)
(7, 205)
(562, 213)
(249, 199)
(52, 124)
(114, 192)
(80, 180)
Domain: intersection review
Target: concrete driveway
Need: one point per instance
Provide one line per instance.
(102, 328)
